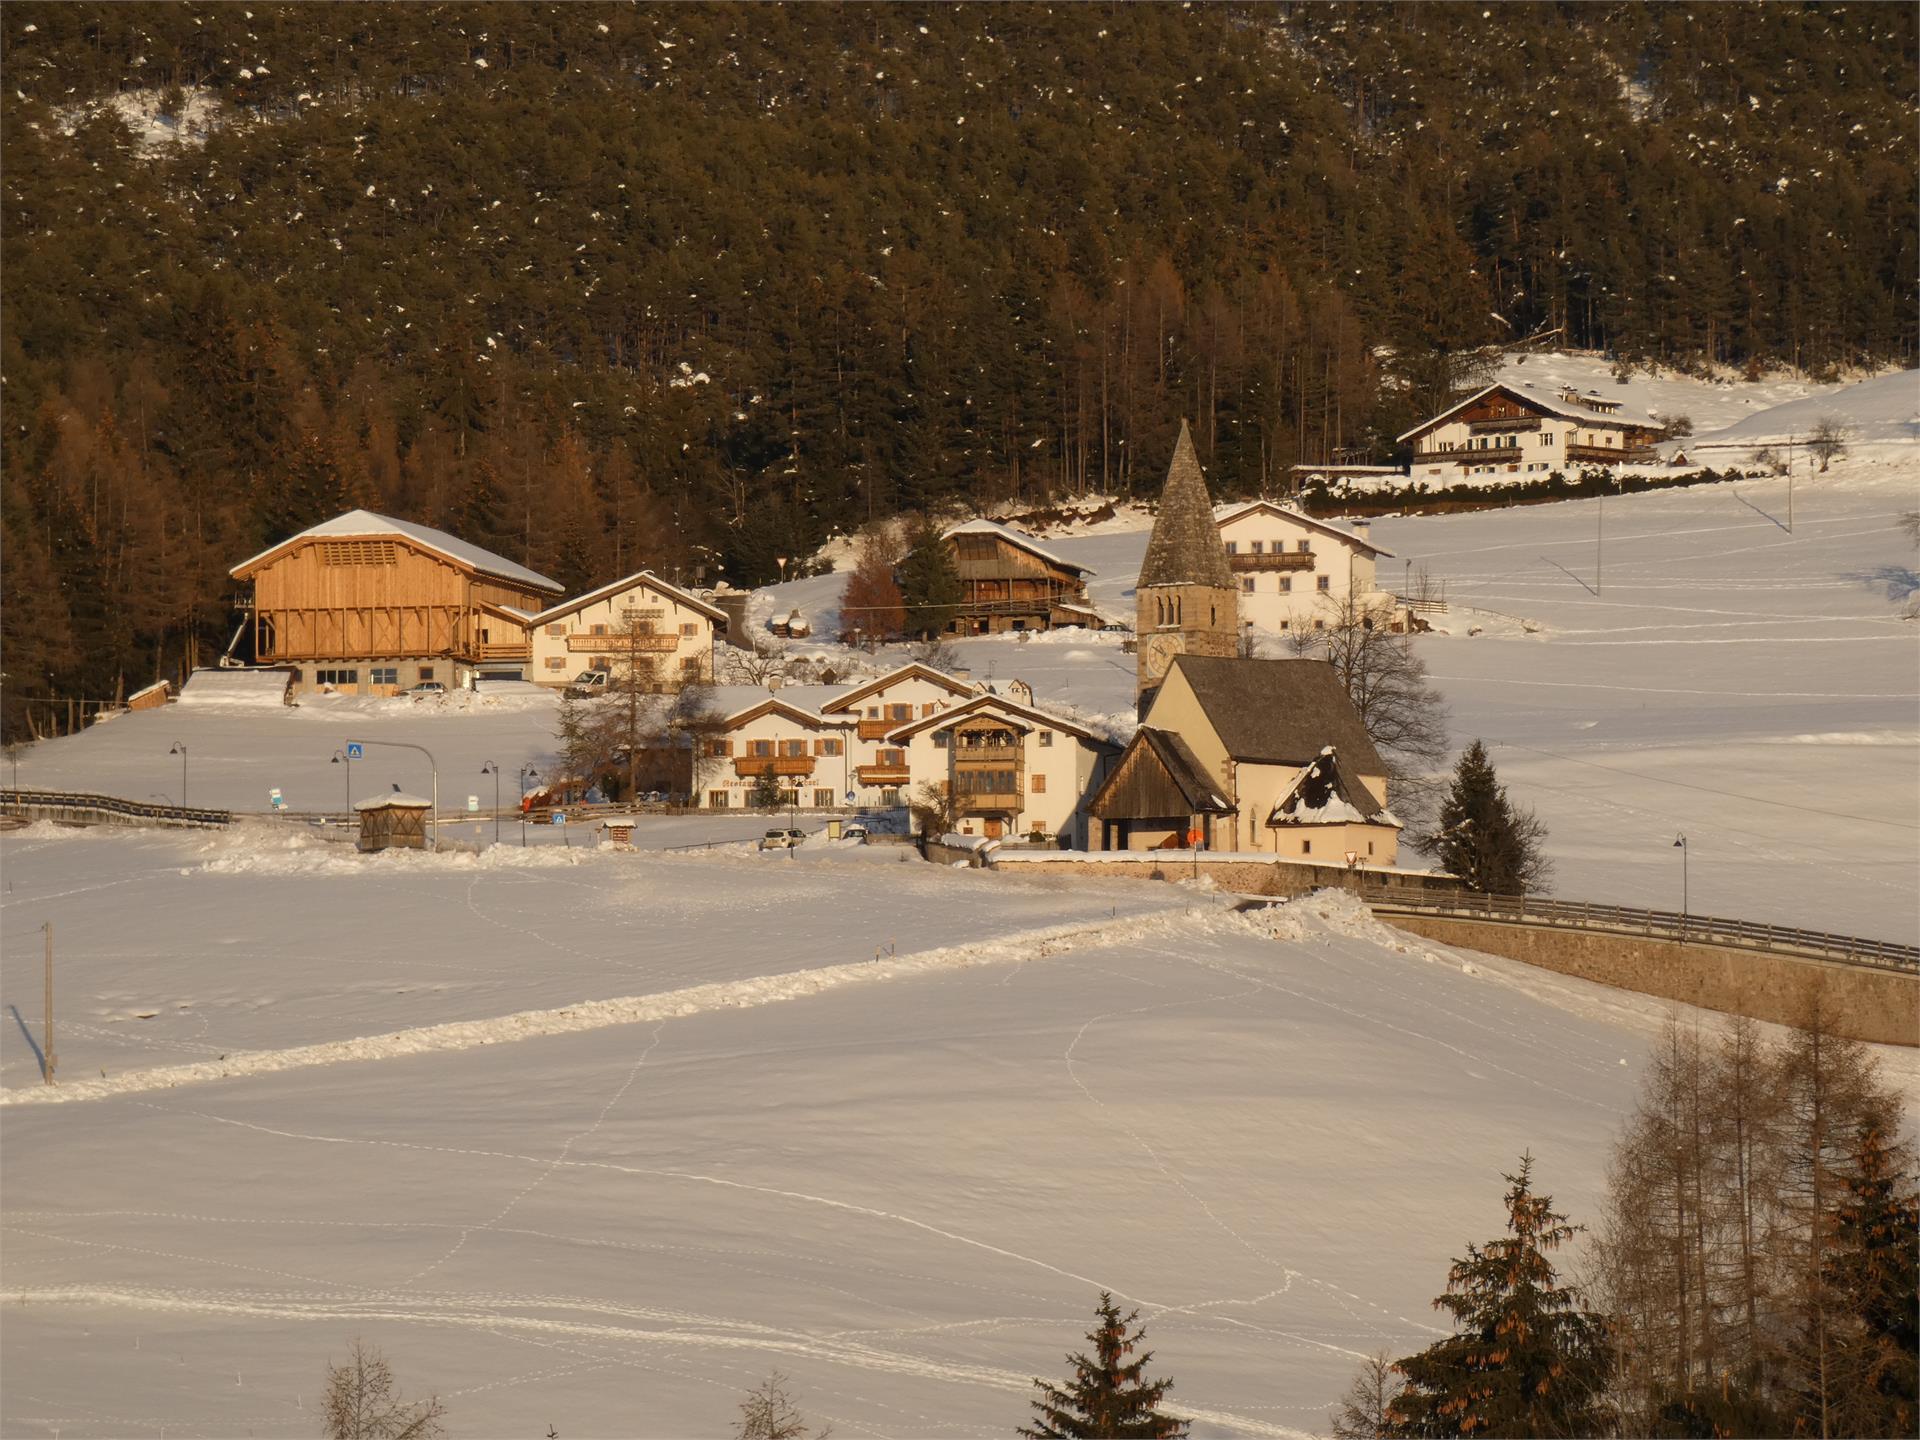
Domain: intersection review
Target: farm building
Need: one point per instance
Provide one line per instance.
(369, 605)
(1012, 582)
(665, 632)
(1510, 429)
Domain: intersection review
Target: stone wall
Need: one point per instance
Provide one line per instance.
(1881, 1006)
(1246, 874)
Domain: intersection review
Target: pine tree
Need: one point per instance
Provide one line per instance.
(1871, 1268)
(1526, 1359)
(1106, 1396)
(765, 794)
(1484, 839)
(929, 582)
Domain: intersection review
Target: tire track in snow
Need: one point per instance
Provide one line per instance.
(627, 1010)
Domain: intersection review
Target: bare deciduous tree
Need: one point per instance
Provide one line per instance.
(757, 667)
(1362, 1412)
(362, 1404)
(934, 809)
(1828, 441)
(769, 1413)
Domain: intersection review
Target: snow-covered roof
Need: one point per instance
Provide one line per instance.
(614, 587)
(856, 694)
(1015, 537)
(364, 524)
(734, 702)
(399, 800)
(1013, 709)
(1550, 402)
(1227, 514)
(1323, 794)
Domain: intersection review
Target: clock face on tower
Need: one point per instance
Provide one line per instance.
(1156, 655)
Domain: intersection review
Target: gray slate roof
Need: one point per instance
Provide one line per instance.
(1185, 547)
(1280, 712)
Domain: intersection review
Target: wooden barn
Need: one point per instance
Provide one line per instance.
(1012, 582)
(1157, 797)
(369, 605)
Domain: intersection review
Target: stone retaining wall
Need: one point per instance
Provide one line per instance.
(1881, 1006)
(1245, 874)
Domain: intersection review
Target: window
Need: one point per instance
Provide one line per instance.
(1306, 847)
(928, 709)
(1046, 739)
(717, 799)
(789, 797)
(1233, 547)
(1286, 584)
(891, 757)
(716, 748)
(1259, 547)
(1037, 784)
(1305, 547)
(384, 675)
(890, 797)
(556, 630)
(426, 672)
(1246, 584)
(1324, 583)
(1283, 624)
(873, 712)
(689, 629)
(1369, 847)
(823, 799)
(826, 747)
(762, 748)
(690, 664)
(900, 713)
(601, 662)
(336, 677)
(940, 739)
(556, 662)
(596, 629)
(793, 749)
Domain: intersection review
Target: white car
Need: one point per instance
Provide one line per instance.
(782, 839)
(856, 833)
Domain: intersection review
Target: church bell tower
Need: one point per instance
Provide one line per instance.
(1186, 602)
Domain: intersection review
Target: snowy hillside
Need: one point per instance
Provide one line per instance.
(901, 1180)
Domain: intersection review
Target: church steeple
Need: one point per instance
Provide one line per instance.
(1185, 601)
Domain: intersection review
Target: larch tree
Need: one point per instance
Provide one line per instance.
(1108, 1394)
(871, 605)
(362, 1403)
(1526, 1358)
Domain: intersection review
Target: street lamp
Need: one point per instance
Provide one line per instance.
(527, 772)
(1680, 844)
(180, 749)
(494, 770)
(340, 757)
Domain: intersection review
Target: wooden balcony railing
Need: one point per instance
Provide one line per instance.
(988, 802)
(998, 754)
(1495, 427)
(883, 774)
(616, 644)
(521, 651)
(1468, 454)
(876, 729)
(1285, 560)
(1609, 454)
(748, 765)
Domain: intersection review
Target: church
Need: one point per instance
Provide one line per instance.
(1232, 754)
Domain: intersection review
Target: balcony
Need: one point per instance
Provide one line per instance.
(497, 651)
(982, 754)
(1495, 427)
(748, 766)
(876, 729)
(883, 774)
(1609, 455)
(1467, 454)
(619, 644)
(1285, 560)
(995, 802)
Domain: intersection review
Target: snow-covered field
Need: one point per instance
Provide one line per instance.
(596, 1140)
(902, 1179)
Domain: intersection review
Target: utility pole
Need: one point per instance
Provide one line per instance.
(46, 1036)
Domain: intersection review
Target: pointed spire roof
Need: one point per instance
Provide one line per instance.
(1185, 547)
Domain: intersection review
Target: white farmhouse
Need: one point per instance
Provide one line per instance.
(1513, 431)
(877, 708)
(778, 732)
(1013, 769)
(1291, 569)
(671, 629)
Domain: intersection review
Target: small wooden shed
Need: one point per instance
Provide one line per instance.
(393, 822)
(617, 831)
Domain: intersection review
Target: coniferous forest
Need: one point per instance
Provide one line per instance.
(691, 286)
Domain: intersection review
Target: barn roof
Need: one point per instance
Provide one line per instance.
(1548, 403)
(365, 525)
(1018, 538)
(1278, 712)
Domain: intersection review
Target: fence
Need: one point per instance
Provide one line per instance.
(87, 809)
(1661, 924)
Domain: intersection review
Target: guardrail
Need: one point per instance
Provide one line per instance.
(96, 809)
(1662, 924)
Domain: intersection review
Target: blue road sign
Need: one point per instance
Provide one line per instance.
(355, 750)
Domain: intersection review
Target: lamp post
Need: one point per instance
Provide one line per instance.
(490, 768)
(1680, 844)
(527, 772)
(340, 757)
(180, 749)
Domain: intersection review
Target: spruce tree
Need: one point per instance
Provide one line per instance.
(1871, 1267)
(1484, 839)
(1526, 1359)
(929, 581)
(1107, 1395)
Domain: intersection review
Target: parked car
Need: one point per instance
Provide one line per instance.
(428, 687)
(589, 682)
(854, 832)
(782, 839)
